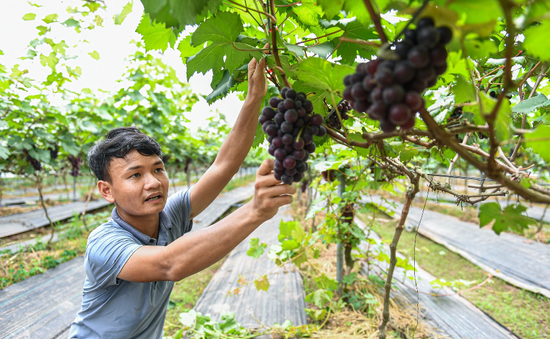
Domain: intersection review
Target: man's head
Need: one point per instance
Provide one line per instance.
(130, 172)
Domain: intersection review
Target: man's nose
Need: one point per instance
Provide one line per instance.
(151, 181)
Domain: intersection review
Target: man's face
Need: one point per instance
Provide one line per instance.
(139, 184)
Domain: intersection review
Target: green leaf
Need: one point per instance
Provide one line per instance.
(262, 283)
(50, 60)
(536, 40)
(188, 318)
(186, 49)
(331, 7)
(479, 49)
(297, 50)
(222, 88)
(463, 90)
(224, 27)
(322, 74)
(325, 282)
(256, 248)
(155, 36)
(539, 141)
(323, 50)
(50, 18)
(320, 297)
(212, 58)
(511, 218)
(71, 23)
(531, 104)
(259, 137)
(502, 121)
(308, 13)
(4, 152)
(94, 55)
(477, 11)
(29, 16)
(127, 9)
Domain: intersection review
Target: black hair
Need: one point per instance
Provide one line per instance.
(118, 143)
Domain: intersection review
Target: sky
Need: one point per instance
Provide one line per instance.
(111, 41)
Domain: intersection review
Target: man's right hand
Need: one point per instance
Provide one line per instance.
(270, 194)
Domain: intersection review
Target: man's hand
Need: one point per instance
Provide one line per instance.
(257, 82)
(269, 193)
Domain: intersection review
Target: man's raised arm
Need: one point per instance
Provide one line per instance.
(235, 148)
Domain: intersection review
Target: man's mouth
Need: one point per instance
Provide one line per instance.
(153, 198)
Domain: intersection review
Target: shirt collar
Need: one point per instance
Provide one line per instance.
(165, 225)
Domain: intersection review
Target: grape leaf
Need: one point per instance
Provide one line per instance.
(463, 90)
(531, 104)
(511, 218)
(322, 74)
(186, 49)
(262, 283)
(224, 27)
(259, 137)
(94, 55)
(212, 58)
(29, 16)
(127, 9)
(308, 13)
(256, 248)
(323, 50)
(50, 18)
(536, 40)
(155, 35)
(539, 140)
(71, 23)
(222, 88)
(331, 7)
(298, 50)
(477, 11)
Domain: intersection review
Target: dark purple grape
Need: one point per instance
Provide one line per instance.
(386, 126)
(271, 150)
(300, 166)
(269, 139)
(289, 103)
(277, 176)
(268, 112)
(280, 133)
(399, 114)
(440, 69)
(302, 112)
(287, 139)
(427, 36)
(297, 104)
(263, 119)
(417, 85)
(432, 82)
(278, 165)
(383, 76)
(291, 94)
(301, 96)
(299, 154)
(347, 80)
(358, 92)
(308, 105)
(410, 36)
(289, 149)
(361, 68)
(291, 115)
(425, 22)
(402, 49)
(377, 110)
(280, 154)
(298, 177)
(281, 107)
(316, 120)
(273, 102)
(404, 72)
(310, 147)
(387, 64)
(426, 74)
(322, 131)
(414, 101)
(419, 57)
(299, 123)
(287, 179)
(295, 132)
(290, 171)
(287, 127)
(368, 82)
(372, 66)
(277, 142)
(289, 162)
(393, 94)
(283, 92)
(313, 130)
(279, 171)
(376, 94)
(359, 106)
(409, 124)
(308, 139)
(271, 130)
(299, 144)
(357, 77)
(445, 34)
(438, 55)
(346, 94)
(279, 118)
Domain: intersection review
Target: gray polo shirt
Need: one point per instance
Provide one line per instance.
(115, 308)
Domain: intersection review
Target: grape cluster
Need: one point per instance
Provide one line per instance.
(290, 125)
(75, 162)
(35, 163)
(389, 90)
(54, 152)
(333, 120)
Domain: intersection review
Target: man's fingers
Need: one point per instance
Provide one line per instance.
(266, 167)
(275, 191)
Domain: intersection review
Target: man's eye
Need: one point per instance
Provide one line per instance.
(134, 175)
(159, 170)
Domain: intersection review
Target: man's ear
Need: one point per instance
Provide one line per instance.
(105, 189)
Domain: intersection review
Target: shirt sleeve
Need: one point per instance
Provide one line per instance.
(107, 252)
(178, 208)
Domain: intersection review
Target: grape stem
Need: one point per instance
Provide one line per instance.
(274, 45)
(274, 19)
(376, 20)
(339, 117)
(360, 42)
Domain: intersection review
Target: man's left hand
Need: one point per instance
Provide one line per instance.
(257, 82)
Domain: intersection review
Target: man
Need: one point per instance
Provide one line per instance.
(132, 260)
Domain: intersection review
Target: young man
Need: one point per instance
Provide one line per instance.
(133, 260)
